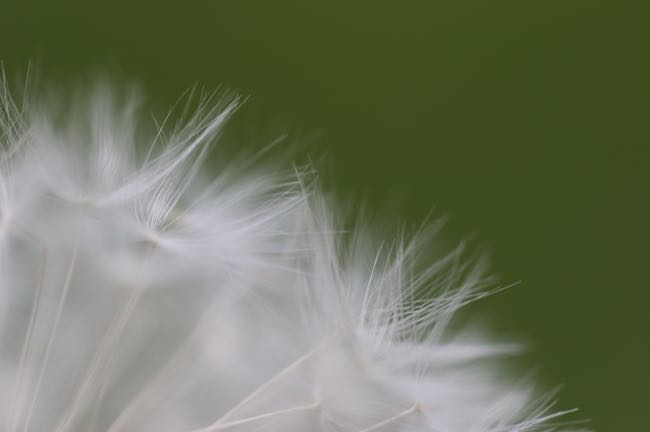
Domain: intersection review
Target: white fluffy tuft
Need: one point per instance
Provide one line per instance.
(135, 295)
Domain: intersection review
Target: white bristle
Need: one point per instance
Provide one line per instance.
(140, 293)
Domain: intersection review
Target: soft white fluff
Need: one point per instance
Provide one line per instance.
(138, 296)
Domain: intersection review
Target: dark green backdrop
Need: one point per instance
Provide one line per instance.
(525, 120)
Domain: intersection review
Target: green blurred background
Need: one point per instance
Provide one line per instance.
(525, 121)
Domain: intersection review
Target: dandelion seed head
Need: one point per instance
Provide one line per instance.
(141, 291)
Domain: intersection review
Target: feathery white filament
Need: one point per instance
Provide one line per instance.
(137, 296)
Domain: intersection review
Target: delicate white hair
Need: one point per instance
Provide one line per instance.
(137, 295)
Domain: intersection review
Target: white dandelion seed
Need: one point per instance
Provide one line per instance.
(138, 295)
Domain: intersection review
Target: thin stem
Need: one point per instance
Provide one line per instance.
(30, 327)
(53, 332)
(277, 377)
(100, 359)
(415, 408)
(125, 318)
(102, 356)
(265, 416)
(161, 378)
